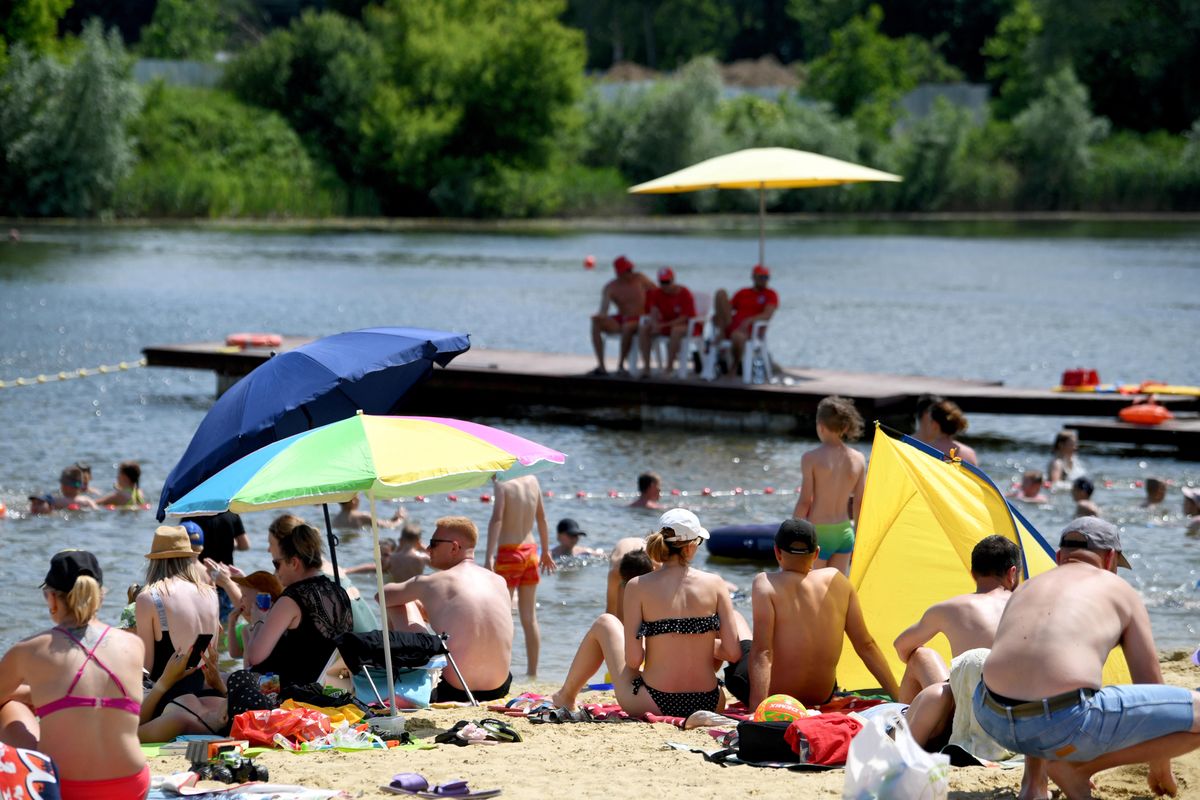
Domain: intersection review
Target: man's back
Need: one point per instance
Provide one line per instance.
(472, 605)
(970, 620)
(1057, 631)
(407, 562)
(810, 621)
(518, 509)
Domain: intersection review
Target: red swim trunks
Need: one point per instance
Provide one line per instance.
(518, 564)
(131, 787)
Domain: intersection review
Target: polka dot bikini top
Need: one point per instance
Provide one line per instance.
(679, 625)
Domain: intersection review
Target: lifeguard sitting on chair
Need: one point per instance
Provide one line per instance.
(669, 308)
(734, 318)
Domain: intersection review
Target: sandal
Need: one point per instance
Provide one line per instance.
(451, 736)
(557, 716)
(500, 731)
(458, 788)
(406, 783)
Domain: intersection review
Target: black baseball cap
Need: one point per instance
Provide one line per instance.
(569, 526)
(796, 536)
(67, 566)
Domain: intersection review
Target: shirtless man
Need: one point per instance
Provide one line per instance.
(969, 623)
(409, 559)
(833, 474)
(1041, 692)
(649, 491)
(801, 616)
(465, 601)
(627, 292)
(512, 553)
(349, 516)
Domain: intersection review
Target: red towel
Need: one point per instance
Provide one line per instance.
(826, 737)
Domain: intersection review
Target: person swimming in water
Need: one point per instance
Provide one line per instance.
(127, 491)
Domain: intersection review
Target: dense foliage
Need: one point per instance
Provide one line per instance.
(484, 107)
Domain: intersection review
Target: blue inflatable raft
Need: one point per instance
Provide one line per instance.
(754, 542)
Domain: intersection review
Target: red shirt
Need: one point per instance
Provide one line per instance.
(671, 306)
(750, 302)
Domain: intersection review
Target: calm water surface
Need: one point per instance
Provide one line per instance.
(1020, 308)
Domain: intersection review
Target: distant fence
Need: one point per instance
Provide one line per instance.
(178, 73)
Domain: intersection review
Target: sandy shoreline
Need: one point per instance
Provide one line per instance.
(594, 761)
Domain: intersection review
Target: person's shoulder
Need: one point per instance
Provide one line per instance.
(772, 296)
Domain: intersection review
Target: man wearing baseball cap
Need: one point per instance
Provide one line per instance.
(733, 318)
(627, 292)
(801, 617)
(669, 307)
(1043, 691)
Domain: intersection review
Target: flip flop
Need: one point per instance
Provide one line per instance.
(500, 731)
(406, 783)
(557, 716)
(451, 736)
(457, 789)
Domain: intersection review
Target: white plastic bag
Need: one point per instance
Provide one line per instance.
(880, 768)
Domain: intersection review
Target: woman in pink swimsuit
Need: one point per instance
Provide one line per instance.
(84, 682)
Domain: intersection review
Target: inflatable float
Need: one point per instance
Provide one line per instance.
(244, 340)
(751, 542)
(1150, 413)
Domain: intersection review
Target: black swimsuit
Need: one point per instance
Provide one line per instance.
(679, 704)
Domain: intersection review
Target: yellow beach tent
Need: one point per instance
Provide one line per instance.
(921, 517)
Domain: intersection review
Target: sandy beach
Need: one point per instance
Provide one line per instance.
(630, 760)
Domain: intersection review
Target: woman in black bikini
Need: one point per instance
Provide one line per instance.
(678, 621)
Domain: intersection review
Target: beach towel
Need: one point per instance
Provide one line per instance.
(822, 739)
(966, 671)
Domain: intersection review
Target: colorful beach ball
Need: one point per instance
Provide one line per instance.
(779, 708)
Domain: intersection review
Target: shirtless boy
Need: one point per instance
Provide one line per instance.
(649, 491)
(465, 601)
(568, 532)
(614, 600)
(511, 552)
(833, 474)
(969, 623)
(410, 558)
(627, 292)
(1030, 490)
(1043, 691)
(801, 617)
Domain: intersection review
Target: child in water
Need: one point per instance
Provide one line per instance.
(1031, 488)
(834, 476)
(127, 491)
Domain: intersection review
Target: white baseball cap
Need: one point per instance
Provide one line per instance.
(683, 525)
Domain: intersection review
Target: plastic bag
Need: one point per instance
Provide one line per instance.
(880, 768)
(294, 724)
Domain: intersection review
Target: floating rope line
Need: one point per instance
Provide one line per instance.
(67, 375)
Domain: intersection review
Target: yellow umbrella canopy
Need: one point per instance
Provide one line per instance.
(763, 168)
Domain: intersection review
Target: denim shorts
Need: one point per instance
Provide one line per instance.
(1114, 718)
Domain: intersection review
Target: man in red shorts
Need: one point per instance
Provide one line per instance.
(627, 292)
(513, 555)
(670, 306)
(734, 318)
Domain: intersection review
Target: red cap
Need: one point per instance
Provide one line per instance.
(760, 271)
(622, 265)
(666, 274)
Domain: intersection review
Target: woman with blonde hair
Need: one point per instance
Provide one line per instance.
(676, 621)
(177, 605)
(84, 681)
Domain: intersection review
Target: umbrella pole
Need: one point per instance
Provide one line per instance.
(762, 216)
(383, 617)
(337, 578)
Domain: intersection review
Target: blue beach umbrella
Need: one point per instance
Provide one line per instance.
(324, 381)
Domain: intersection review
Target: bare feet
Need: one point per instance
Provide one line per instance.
(1074, 783)
(561, 700)
(1161, 780)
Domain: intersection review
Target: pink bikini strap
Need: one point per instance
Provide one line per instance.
(90, 655)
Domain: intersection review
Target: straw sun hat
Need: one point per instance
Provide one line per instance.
(171, 541)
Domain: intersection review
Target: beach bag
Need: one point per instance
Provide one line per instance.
(27, 773)
(882, 768)
(294, 724)
(413, 686)
(765, 743)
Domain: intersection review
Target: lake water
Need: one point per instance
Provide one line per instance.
(1015, 303)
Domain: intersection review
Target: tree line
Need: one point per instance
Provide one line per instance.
(490, 108)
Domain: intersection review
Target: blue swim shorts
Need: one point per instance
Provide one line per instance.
(1113, 718)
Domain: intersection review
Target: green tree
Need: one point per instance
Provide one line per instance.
(187, 29)
(1012, 65)
(32, 23)
(1053, 138)
(63, 141)
(865, 72)
(816, 20)
(933, 150)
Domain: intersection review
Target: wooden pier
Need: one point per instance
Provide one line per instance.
(554, 386)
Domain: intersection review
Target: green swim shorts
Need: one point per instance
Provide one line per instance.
(834, 538)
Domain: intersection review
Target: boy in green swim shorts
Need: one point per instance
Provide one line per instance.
(833, 477)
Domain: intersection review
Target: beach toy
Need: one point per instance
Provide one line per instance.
(779, 708)
(1148, 413)
(769, 490)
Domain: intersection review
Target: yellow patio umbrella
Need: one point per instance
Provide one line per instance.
(763, 168)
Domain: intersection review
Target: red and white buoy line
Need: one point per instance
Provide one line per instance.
(613, 494)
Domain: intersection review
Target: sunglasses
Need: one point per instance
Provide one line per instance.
(275, 562)
(436, 542)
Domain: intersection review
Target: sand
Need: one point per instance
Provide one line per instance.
(628, 760)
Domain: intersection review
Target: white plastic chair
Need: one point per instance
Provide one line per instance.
(756, 350)
(693, 340)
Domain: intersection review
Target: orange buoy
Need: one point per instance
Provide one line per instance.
(244, 340)
(1148, 413)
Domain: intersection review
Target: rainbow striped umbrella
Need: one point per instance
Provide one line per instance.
(382, 457)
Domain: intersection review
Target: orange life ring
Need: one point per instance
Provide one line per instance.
(244, 340)
(1145, 414)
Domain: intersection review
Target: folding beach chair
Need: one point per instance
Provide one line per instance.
(411, 652)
